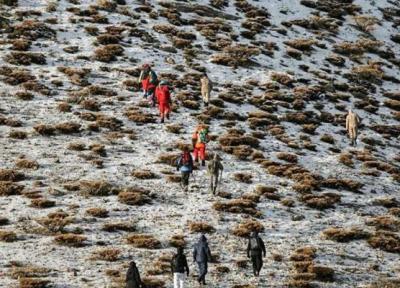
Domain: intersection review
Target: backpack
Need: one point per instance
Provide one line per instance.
(254, 244)
(203, 136)
(185, 159)
(153, 78)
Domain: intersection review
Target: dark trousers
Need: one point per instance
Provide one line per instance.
(214, 182)
(202, 271)
(185, 179)
(257, 263)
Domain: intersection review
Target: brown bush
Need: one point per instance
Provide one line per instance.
(42, 203)
(243, 177)
(321, 202)
(245, 228)
(77, 146)
(395, 211)
(345, 234)
(108, 53)
(27, 164)
(153, 283)
(45, 130)
(28, 271)
(119, 226)
(64, 107)
(68, 127)
(143, 174)
(366, 22)
(386, 241)
(289, 202)
(18, 134)
(135, 198)
(108, 5)
(239, 55)
(237, 206)
(33, 283)
(140, 117)
(168, 158)
(346, 159)
(347, 184)
(25, 58)
(24, 95)
(201, 227)
(97, 212)
(177, 241)
(11, 175)
(328, 139)
(242, 152)
(384, 223)
(95, 188)
(7, 236)
(303, 254)
(90, 104)
(232, 140)
(143, 241)
(288, 157)
(105, 39)
(8, 188)
(174, 128)
(69, 239)
(106, 254)
(301, 44)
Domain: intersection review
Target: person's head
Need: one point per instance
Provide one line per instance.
(203, 238)
(163, 83)
(217, 157)
(179, 250)
(186, 149)
(350, 110)
(146, 67)
(132, 264)
(254, 234)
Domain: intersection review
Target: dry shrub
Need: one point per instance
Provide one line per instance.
(28, 271)
(143, 241)
(25, 58)
(95, 188)
(7, 236)
(24, 95)
(64, 107)
(236, 140)
(108, 53)
(242, 152)
(243, 177)
(108, 5)
(239, 55)
(384, 223)
(143, 174)
(282, 78)
(105, 39)
(245, 228)
(327, 139)
(395, 211)
(68, 127)
(177, 241)
(191, 104)
(106, 254)
(135, 198)
(90, 104)
(393, 104)
(201, 227)
(56, 222)
(346, 159)
(71, 240)
(168, 158)
(18, 134)
(153, 283)
(140, 117)
(386, 241)
(8, 188)
(33, 283)
(346, 184)
(108, 122)
(97, 212)
(174, 128)
(303, 254)
(45, 130)
(262, 189)
(244, 206)
(321, 202)
(366, 23)
(370, 72)
(11, 175)
(27, 164)
(119, 226)
(77, 146)
(322, 273)
(301, 44)
(99, 149)
(32, 30)
(345, 234)
(288, 157)
(42, 203)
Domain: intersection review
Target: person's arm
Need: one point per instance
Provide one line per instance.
(172, 265)
(194, 253)
(138, 276)
(186, 267)
(248, 249)
(263, 247)
(209, 254)
(141, 76)
(347, 123)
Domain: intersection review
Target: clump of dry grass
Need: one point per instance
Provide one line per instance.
(119, 226)
(245, 228)
(243, 177)
(68, 127)
(168, 158)
(370, 72)
(106, 254)
(24, 95)
(321, 202)
(64, 107)
(346, 184)
(201, 227)
(244, 206)
(328, 139)
(25, 58)
(97, 212)
(135, 197)
(8, 236)
(288, 157)
(71, 240)
(177, 241)
(366, 23)
(18, 134)
(139, 117)
(108, 53)
(345, 234)
(42, 203)
(282, 78)
(304, 254)
(27, 164)
(95, 188)
(346, 159)
(45, 130)
(153, 283)
(384, 223)
(143, 241)
(239, 55)
(11, 175)
(144, 174)
(77, 146)
(8, 188)
(33, 283)
(301, 44)
(386, 241)
(56, 222)
(174, 128)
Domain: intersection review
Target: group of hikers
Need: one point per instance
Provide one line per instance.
(201, 256)
(158, 92)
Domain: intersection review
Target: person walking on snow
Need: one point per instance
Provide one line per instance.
(163, 97)
(185, 165)
(214, 169)
(132, 277)
(206, 87)
(202, 255)
(352, 122)
(179, 267)
(199, 140)
(148, 78)
(255, 251)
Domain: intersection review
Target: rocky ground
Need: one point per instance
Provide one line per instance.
(87, 181)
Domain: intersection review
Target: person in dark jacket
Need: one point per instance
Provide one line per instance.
(255, 251)
(179, 266)
(185, 165)
(132, 277)
(202, 255)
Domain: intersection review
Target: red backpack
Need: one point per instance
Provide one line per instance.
(185, 159)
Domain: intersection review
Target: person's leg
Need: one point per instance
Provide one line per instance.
(216, 176)
(207, 98)
(195, 154)
(203, 154)
(199, 265)
(254, 262)
(259, 264)
(205, 273)
(212, 183)
(176, 280)
(182, 280)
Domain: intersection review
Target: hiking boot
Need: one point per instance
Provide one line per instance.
(168, 116)
(203, 162)
(162, 120)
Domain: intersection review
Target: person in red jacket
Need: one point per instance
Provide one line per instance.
(164, 100)
(199, 139)
(148, 79)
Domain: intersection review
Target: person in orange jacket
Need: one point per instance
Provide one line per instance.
(148, 78)
(164, 100)
(199, 139)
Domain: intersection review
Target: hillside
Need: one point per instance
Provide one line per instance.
(87, 181)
